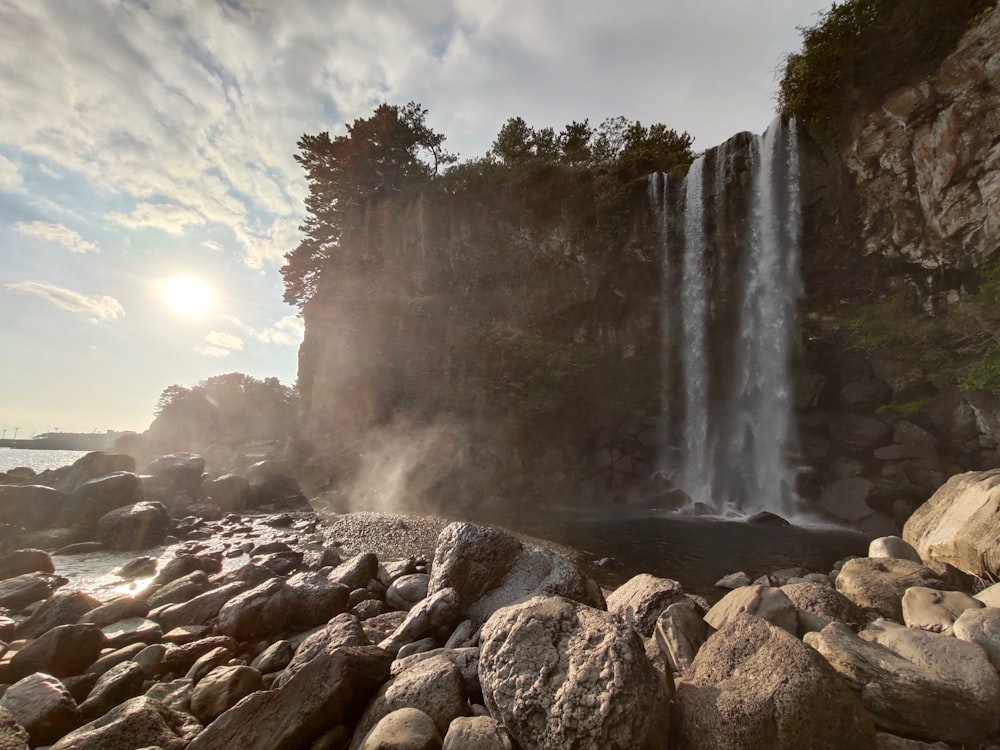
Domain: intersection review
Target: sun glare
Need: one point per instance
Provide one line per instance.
(186, 295)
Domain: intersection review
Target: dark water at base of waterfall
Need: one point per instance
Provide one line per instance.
(695, 551)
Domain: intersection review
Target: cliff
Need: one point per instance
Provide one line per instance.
(529, 313)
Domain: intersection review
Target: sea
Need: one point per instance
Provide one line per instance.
(39, 460)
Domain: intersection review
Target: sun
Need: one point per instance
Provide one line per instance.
(186, 295)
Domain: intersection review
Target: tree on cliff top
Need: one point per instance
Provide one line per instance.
(381, 154)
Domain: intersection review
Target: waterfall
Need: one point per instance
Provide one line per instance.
(696, 475)
(659, 186)
(735, 428)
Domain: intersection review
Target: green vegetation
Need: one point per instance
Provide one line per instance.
(959, 346)
(862, 50)
(395, 150)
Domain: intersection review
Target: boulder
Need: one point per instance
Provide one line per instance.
(230, 492)
(476, 733)
(879, 583)
(133, 527)
(435, 617)
(330, 689)
(433, 686)
(131, 630)
(180, 659)
(680, 632)
(177, 472)
(356, 572)
(894, 547)
(990, 596)
(407, 590)
(117, 685)
(89, 466)
(930, 609)
(490, 568)
(274, 658)
(317, 598)
(765, 602)
(642, 599)
(139, 722)
(109, 659)
(905, 676)
(208, 662)
(857, 433)
(61, 652)
(957, 524)
(982, 627)
(64, 608)
(12, 735)
(223, 688)
(847, 499)
(271, 482)
(557, 673)
(403, 729)
(97, 497)
(753, 685)
(20, 591)
(42, 705)
(119, 608)
(199, 610)
(819, 604)
(262, 612)
(178, 591)
(31, 506)
(343, 630)
(22, 561)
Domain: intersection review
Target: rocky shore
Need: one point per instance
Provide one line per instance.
(264, 628)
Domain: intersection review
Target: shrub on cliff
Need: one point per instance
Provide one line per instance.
(862, 50)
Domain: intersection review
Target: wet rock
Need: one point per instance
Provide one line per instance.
(117, 685)
(640, 601)
(89, 466)
(317, 599)
(41, 704)
(879, 583)
(180, 590)
(20, 591)
(131, 630)
(330, 689)
(342, 631)
(904, 676)
(179, 659)
(196, 611)
(753, 685)
(64, 608)
(119, 608)
(175, 694)
(186, 634)
(356, 572)
(230, 492)
(177, 472)
(847, 499)
(207, 662)
(857, 433)
(139, 722)
(557, 673)
(274, 658)
(109, 659)
(221, 689)
(132, 527)
(63, 651)
(177, 567)
(23, 561)
(762, 518)
(403, 729)
(140, 567)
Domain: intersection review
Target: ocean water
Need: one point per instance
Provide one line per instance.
(11, 458)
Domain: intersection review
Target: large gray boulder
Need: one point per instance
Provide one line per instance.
(819, 604)
(139, 722)
(330, 689)
(262, 612)
(753, 685)
(765, 602)
(476, 733)
(930, 609)
(642, 599)
(89, 466)
(223, 688)
(31, 506)
(557, 673)
(64, 608)
(982, 627)
(199, 610)
(42, 705)
(957, 525)
(879, 583)
(63, 651)
(134, 527)
(490, 568)
(403, 729)
(96, 497)
(905, 677)
(12, 735)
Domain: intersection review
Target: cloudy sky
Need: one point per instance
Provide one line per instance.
(142, 141)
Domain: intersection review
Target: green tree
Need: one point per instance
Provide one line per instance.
(381, 154)
(574, 143)
(514, 144)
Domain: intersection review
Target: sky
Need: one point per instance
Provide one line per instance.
(142, 141)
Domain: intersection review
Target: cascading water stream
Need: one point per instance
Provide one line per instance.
(735, 462)
(696, 474)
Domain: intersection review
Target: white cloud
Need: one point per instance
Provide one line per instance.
(286, 332)
(169, 217)
(214, 351)
(10, 175)
(57, 233)
(222, 340)
(212, 245)
(96, 308)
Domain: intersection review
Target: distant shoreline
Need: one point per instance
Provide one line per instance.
(66, 441)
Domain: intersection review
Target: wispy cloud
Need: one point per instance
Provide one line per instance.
(57, 233)
(287, 331)
(169, 217)
(96, 308)
(224, 340)
(214, 351)
(10, 175)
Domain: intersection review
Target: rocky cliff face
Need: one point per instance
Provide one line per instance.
(530, 311)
